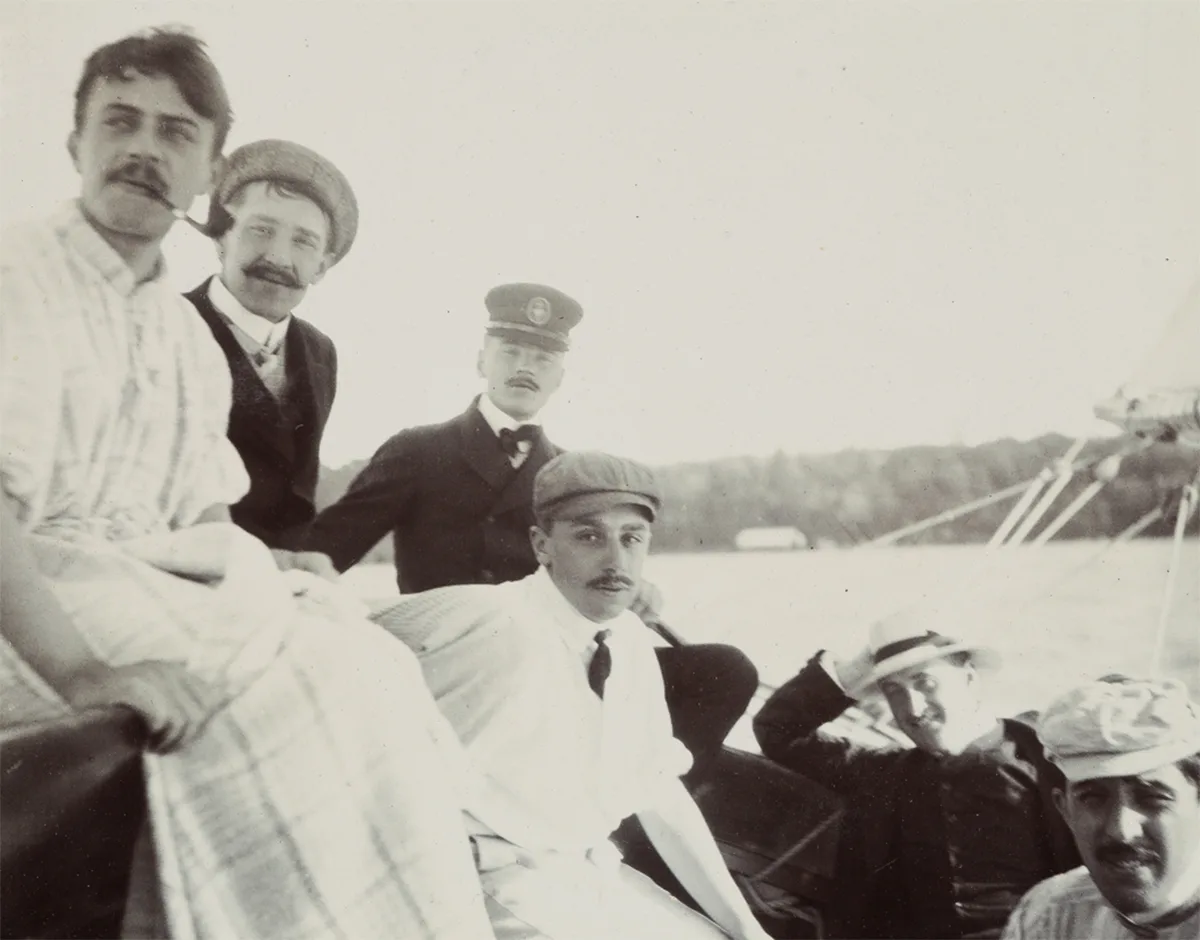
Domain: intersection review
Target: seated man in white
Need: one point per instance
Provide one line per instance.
(553, 686)
(1130, 752)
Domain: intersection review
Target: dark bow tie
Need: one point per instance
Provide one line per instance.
(510, 439)
(601, 664)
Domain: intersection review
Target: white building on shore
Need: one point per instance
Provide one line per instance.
(771, 538)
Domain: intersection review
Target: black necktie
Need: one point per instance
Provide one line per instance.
(601, 664)
(509, 439)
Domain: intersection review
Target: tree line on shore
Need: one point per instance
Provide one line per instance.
(853, 496)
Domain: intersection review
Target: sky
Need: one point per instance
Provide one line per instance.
(794, 225)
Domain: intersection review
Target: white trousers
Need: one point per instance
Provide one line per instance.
(551, 896)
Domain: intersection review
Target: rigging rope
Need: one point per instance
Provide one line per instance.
(1067, 514)
(1019, 510)
(948, 515)
(1187, 505)
(1103, 473)
(1067, 466)
(1127, 534)
(1065, 470)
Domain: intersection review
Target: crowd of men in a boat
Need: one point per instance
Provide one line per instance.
(522, 616)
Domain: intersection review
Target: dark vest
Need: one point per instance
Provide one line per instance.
(278, 442)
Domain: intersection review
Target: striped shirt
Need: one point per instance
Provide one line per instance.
(114, 395)
(1071, 906)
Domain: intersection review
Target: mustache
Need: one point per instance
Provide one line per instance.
(271, 272)
(1116, 853)
(523, 381)
(610, 581)
(141, 173)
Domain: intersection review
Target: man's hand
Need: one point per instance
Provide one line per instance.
(648, 603)
(174, 703)
(317, 563)
(851, 673)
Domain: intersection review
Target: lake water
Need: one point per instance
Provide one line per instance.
(1058, 614)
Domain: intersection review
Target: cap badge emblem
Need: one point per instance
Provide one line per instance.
(537, 311)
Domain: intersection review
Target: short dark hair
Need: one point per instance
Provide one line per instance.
(170, 52)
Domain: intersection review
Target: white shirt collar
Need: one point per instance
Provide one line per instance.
(580, 631)
(497, 419)
(78, 229)
(259, 329)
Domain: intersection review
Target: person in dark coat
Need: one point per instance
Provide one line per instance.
(941, 839)
(281, 216)
(457, 498)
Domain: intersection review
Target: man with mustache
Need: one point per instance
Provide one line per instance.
(941, 839)
(552, 684)
(281, 216)
(303, 783)
(1130, 752)
(457, 498)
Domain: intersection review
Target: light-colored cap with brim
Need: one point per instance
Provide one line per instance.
(581, 482)
(299, 168)
(1120, 726)
(904, 640)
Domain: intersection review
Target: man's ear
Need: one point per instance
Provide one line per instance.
(73, 148)
(539, 539)
(1060, 803)
(479, 364)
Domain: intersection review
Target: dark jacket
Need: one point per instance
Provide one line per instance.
(279, 444)
(457, 510)
(933, 845)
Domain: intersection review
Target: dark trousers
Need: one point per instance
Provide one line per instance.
(708, 686)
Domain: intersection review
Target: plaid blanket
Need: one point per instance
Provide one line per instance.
(322, 799)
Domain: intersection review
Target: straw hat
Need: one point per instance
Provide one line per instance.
(904, 640)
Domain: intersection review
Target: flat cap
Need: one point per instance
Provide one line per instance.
(304, 170)
(532, 313)
(579, 482)
(1120, 726)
